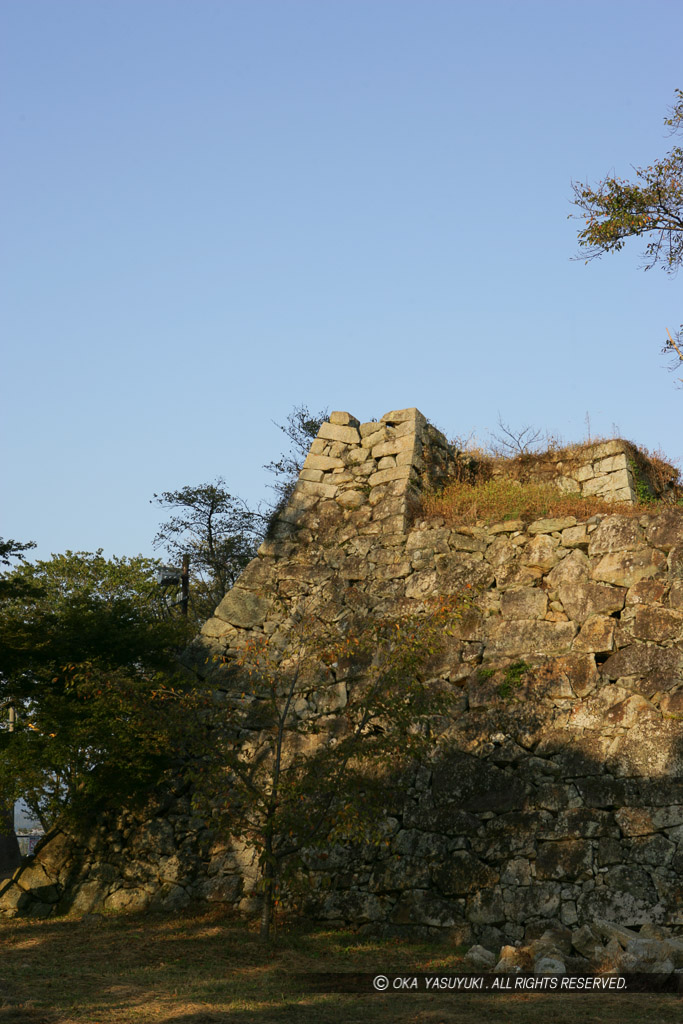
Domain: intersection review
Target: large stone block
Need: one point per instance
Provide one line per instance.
(574, 568)
(583, 599)
(565, 859)
(526, 603)
(243, 608)
(661, 666)
(343, 419)
(624, 568)
(405, 416)
(657, 624)
(383, 476)
(596, 636)
(461, 873)
(519, 637)
(551, 525)
(665, 531)
(543, 552)
(333, 432)
(394, 446)
(323, 462)
(616, 533)
(611, 464)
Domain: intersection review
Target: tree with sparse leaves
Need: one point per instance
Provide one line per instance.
(311, 722)
(651, 207)
(218, 532)
(301, 428)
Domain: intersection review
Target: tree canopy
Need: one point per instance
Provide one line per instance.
(217, 531)
(90, 670)
(650, 207)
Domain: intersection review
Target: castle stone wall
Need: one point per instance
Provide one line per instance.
(555, 794)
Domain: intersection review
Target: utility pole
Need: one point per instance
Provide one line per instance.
(185, 585)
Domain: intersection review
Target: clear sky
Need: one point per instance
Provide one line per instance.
(217, 209)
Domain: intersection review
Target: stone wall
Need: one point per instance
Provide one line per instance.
(555, 794)
(614, 471)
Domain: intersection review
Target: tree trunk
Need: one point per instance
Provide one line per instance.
(10, 857)
(268, 892)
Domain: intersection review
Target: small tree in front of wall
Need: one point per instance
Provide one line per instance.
(310, 721)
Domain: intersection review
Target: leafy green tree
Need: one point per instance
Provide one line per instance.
(217, 531)
(650, 207)
(91, 672)
(310, 722)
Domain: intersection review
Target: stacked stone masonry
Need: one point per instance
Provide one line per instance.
(555, 796)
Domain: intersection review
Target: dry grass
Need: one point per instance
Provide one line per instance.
(500, 498)
(206, 968)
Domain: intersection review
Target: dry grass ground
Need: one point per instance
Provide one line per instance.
(206, 968)
(492, 501)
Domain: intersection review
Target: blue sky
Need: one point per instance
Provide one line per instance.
(214, 211)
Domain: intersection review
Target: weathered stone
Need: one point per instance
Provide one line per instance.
(542, 552)
(641, 821)
(383, 476)
(393, 446)
(509, 526)
(306, 488)
(651, 747)
(577, 671)
(574, 537)
(126, 900)
(351, 499)
(587, 941)
(486, 907)
(665, 531)
(527, 603)
(501, 552)
(462, 542)
(549, 965)
(322, 463)
(551, 525)
(243, 608)
(596, 636)
(662, 665)
(343, 419)
(583, 599)
(676, 594)
(419, 907)
(460, 873)
(14, 902)
(625, 568)
(645, 592)
(333, 432)
(479, 959)
(459, 569)
(523, 637)
(517, 872)
(574, 568)
(569, 859)
(671, 705)
(658, 624)
(610, 464)
(615, 533)
(405, 416)
(541, 900)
